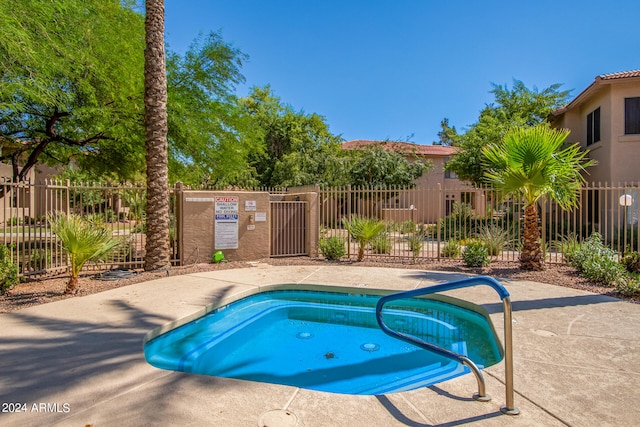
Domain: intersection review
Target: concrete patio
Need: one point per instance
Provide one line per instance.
(79, 361)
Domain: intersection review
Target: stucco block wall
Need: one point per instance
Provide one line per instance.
(197, 226)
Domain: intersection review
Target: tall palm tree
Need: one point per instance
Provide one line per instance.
(155, 121)
(532, 163)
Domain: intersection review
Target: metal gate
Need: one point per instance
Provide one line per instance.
(289, 223)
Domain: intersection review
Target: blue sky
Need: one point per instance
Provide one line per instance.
(393, 69)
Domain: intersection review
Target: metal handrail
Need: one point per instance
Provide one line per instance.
(509, 407)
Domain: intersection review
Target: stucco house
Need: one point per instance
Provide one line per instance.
(436, 190)
(605, 119)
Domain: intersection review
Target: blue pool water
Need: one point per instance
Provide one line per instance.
(327, 341)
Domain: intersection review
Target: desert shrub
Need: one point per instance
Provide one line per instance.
(363, 230)
(631, 261)
(407, 227)
(451, 249)
(381, 244)
(494, 238)
(415, 242)
(332, 248)
(475, 254)
(628, 284)
(567, 245)
(460, 224)
(8, 270)
(39, 259)
(596, 262)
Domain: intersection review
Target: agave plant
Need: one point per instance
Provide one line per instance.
(83, 241)
(363, 231)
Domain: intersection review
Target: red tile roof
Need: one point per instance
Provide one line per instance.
(620, 75)
(401, 147)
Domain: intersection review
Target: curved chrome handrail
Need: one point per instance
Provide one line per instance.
(509, 407)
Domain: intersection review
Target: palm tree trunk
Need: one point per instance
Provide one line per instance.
(72, 285)
(155, 118)
(531, 255)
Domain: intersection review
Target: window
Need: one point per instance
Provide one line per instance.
(448, 174)
(593, 126)
(631, 116)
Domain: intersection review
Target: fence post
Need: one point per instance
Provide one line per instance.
(438, 220)
(178, 212)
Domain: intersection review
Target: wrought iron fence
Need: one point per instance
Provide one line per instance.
(436, 223)
(35, 248)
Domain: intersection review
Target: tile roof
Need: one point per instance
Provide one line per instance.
(620, 75)
(401, 147)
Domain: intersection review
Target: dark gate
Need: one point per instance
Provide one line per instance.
(289, 222)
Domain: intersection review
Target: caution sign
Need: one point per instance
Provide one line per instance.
(226, 222)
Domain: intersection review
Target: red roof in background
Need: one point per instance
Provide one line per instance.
(401, 147)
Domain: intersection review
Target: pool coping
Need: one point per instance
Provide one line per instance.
(79, 361)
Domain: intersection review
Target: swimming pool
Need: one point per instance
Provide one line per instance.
(329, 341)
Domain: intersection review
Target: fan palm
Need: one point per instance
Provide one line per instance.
(532, 163)
(82, 241)
(363, 231)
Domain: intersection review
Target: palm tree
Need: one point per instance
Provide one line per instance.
(155, 120)
(532, 163)
(82, 241)
(363, 231)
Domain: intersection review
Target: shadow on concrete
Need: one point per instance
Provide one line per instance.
(402, 418)
(61, 355)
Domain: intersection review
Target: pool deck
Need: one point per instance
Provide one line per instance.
(79, 361)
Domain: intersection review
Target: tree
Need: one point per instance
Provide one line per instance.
(378, 167)
(155, 120)
(66, 87)
(530, 162)
(519, 106)
(363, 231)
(297, 148)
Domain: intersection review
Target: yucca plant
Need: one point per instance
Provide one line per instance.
(363, 231)
(82, 241)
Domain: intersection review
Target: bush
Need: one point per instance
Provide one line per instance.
(476, 255)
(596, 262)
(631, 262)
(628, 285)
(494, 238)
(332, 248)
(567, 245)
(460, 224)
(381, 244)
(451, 249)
(415, 242)
(8, 271)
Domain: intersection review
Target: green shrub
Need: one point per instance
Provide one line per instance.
(8, 271)
(332, 248)
(596, 262)
(476, 255)
(460, 224)
(567, 245)
(407, 227)
(494, 238)
(628, 284)
(415, 242)
(631, 261)
(381, 244)
(451, 249)
(363, 230)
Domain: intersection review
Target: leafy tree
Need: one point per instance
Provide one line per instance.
(377, 167)
(297, 148)
(68, 83)
(531, 163)
(363, 231)
(155, 118)
(514, 107)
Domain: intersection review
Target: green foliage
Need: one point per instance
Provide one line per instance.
(495, 238)
(83, 241)
(332, 248)
(596, 262)
(514, 107)
(475, 254)
(377, 167)
(363, 230)
(628, 285)
(631, 261)
(382, 244)
(567, 245)
(416, 242)
(8, 270)
(459, 224)
(451, 249)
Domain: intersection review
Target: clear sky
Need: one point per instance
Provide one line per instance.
(392, 69)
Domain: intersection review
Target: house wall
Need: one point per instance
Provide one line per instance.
(625, 149)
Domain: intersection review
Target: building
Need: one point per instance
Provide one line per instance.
(436, 191)
(605, 119)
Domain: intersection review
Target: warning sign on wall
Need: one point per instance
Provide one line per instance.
(226, 222)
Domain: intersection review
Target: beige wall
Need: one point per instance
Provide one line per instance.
(197, 236)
